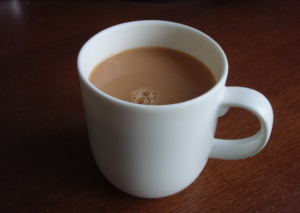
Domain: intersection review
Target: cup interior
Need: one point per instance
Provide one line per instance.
(152, 34)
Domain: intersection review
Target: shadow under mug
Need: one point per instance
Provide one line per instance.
(156, 151)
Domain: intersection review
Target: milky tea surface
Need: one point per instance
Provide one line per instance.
(152, 76)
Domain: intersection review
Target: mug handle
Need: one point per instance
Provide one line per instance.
(256, 103)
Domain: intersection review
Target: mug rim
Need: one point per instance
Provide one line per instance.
(129, 104)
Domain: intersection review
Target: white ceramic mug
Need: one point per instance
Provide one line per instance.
(156, 151)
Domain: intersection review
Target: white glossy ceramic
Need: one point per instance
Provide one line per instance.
(156, 151)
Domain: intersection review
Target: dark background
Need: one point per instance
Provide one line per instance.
(46, 164)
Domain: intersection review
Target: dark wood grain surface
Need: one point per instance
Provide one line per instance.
(46, 164)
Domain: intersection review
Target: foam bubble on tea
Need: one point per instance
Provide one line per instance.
(145, 96)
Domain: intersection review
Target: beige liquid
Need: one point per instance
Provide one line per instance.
(152, 75)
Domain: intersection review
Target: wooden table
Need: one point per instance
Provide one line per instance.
(46, 164)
